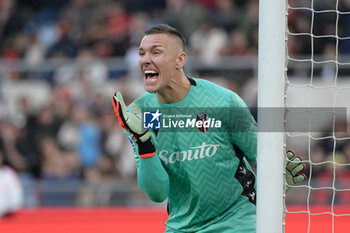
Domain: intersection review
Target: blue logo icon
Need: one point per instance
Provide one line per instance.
(151, 120)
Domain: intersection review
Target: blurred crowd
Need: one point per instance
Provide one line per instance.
(39, 29)
(329, 166)
(69, 138)
(74, 135)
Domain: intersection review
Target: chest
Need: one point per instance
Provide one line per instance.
(191, 150)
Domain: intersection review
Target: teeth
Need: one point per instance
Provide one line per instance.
(151, 72)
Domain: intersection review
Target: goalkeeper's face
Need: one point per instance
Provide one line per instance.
(160, 61)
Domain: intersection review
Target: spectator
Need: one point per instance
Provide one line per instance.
(46, 123)
(35, 53)
(329, 69)
(11, 192)
(138, 24)
(19, 149)
(249, 22)
(115, 144)
(150, 6)
(89, 135)
(11, 20)
(207, 41)
(92, 69)
(237, 45)
(208, 4)
(117, 21)
(97, 189)
(65, 45)
(56, 164)
(185, 15)
(80, 14)
(226, 14)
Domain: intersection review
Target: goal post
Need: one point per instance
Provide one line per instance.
(271, 91)
(303, 71)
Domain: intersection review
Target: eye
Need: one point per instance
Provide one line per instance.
(141, 53)
(156, 52)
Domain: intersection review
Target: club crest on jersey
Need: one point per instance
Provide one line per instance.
(203, 117)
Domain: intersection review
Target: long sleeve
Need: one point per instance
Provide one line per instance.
(243, 129)
(153, 179)
(151, 175)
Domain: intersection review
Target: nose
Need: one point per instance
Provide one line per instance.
(145, 58)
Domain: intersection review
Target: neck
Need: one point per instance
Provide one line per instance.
(176, 91)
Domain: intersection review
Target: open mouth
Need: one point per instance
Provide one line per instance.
(151, 75)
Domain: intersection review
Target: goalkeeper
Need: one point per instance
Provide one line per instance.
(205, 176)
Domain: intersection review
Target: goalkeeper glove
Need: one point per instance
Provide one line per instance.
(132, 122)
(294, 169)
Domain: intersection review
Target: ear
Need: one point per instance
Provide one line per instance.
(181, 60)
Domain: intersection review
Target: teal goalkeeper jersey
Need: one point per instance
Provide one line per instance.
(201, 165)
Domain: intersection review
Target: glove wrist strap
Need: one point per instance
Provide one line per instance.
(146, 149)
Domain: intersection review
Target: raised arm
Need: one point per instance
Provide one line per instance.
(151, 175)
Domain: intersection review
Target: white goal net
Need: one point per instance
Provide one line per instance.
(317, 79)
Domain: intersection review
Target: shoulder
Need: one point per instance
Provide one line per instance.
(145, 100)
(206, 85)
(215, 90)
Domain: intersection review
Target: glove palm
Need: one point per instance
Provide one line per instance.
(132, 122)
(294, 169)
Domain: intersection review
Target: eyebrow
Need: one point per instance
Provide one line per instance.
(153, 47)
